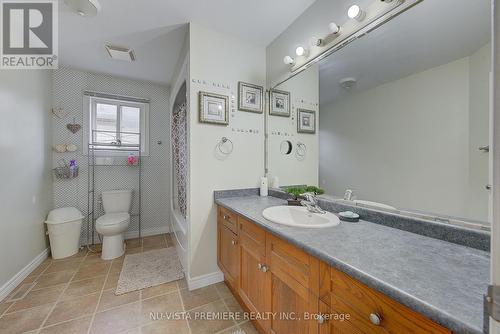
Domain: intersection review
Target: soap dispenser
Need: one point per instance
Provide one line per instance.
(264, 186)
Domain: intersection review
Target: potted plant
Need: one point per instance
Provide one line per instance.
(295, 192)
(315, 190)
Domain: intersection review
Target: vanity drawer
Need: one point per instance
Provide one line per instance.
(368, 305)
(252, 236)
(228, 219)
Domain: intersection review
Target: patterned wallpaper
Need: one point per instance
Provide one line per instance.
(68, 87)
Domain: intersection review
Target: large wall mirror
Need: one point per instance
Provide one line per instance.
(400, 117)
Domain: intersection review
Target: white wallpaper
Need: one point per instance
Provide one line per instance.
(68, 87)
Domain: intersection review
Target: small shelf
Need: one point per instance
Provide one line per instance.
(65, 173)
(115, 165)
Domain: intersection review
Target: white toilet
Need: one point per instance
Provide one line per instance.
(115, 222)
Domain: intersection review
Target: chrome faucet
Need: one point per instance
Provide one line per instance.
(348, 195)
(311, 203)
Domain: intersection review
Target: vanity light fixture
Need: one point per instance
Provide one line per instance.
(356, 13)
(315, 42)
(301, 51)
(288, 60)
(334, 28)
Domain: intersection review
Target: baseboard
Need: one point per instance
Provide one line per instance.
(147, 232)
(133, 234)
(205, 280)
(8, 287)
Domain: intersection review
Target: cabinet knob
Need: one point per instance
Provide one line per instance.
(321, 319)
(375, 319)
(259, 266)
(233, 242)
(224, 217)
(264, 268)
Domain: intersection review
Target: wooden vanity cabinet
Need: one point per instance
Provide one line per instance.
(272, 277)
(291, 288)
(252, 283)
(228, 250)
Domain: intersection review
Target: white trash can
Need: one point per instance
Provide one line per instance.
(64, 227)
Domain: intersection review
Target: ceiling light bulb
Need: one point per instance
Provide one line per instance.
(355, 12)
(301, 51)
(334, 28)
(288, 60)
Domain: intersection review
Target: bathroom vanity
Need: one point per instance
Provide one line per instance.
(352, 278)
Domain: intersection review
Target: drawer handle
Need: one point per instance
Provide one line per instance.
(375, 319)
(321, 319)
(262, 267)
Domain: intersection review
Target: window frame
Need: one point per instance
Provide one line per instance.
(90, 106)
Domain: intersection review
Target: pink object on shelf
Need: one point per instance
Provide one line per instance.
(132, 160)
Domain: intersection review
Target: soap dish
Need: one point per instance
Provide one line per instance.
(349, 216)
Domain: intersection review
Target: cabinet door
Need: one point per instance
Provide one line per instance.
(252, 277)
(290, 299)
(229, 255)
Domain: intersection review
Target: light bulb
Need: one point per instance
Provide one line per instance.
(334, 28)
(288, 60)
(355, 12)
(301, 51)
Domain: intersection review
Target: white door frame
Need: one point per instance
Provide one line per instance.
(495, 149)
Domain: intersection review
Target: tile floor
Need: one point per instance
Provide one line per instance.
(76, 295)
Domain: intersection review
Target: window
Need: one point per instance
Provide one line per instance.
(117, 124)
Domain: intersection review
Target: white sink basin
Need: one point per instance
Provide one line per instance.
(298, 216)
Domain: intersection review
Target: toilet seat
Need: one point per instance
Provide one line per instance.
(113, 219)
(112, 223)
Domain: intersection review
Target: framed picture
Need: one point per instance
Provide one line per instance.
(250, 97)
(280, 103)
(214, 108)
(306, 121)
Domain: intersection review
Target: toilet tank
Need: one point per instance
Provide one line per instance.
(115, 201)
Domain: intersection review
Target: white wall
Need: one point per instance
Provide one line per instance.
(178, 224)
(220, 59)
(69, 85)
(479, 124)
(412, 143)
(25, 194)
(291, 169)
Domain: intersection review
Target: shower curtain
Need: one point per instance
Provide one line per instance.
(179, 156)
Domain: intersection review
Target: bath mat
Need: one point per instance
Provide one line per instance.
(144, 270)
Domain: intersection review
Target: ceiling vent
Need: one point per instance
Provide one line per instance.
(120, 53)
(348, 83)
(84, 7)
